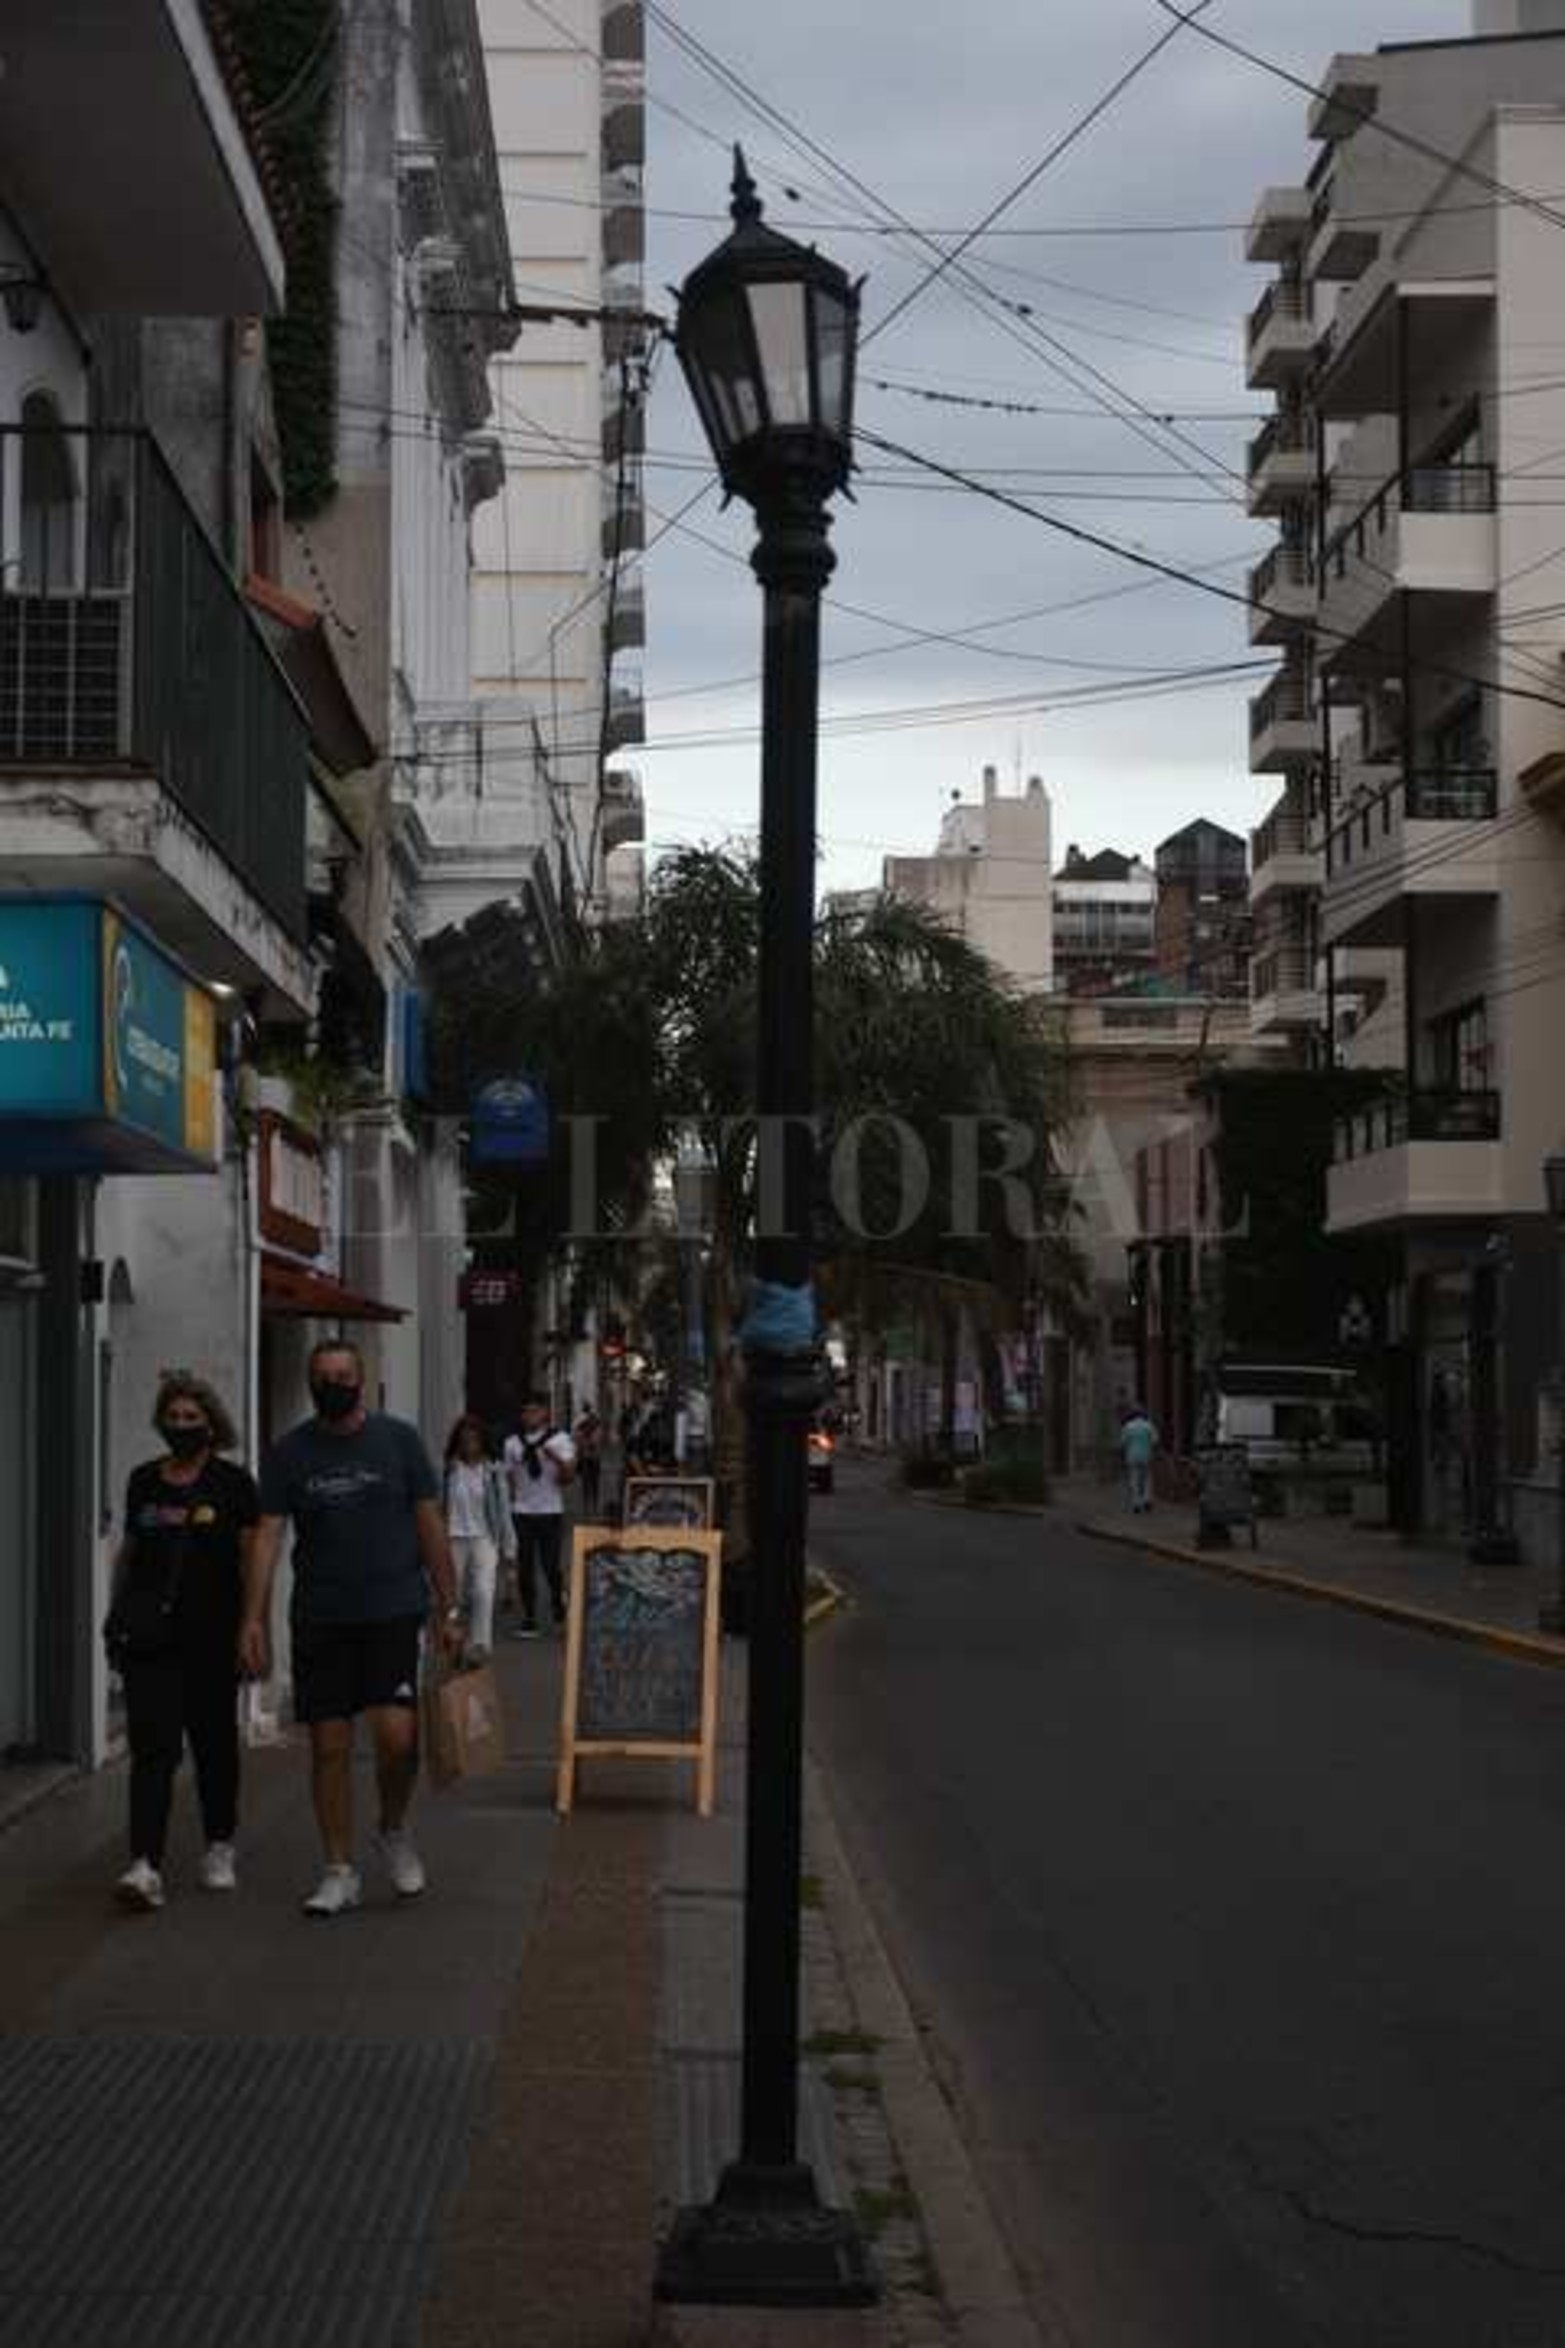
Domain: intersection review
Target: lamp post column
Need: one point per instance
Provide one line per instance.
(793, 561)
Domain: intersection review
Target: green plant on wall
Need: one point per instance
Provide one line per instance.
(288, 52)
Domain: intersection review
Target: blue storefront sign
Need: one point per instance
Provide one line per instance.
(510, 1123)
(107, 1049)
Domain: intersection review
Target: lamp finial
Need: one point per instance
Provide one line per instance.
(746, 203)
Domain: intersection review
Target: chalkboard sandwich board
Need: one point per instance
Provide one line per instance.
(641, 1651)
(670, 1500)
(1223, 1494)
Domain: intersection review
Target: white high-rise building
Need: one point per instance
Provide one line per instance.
(990, 879)
(558, 611)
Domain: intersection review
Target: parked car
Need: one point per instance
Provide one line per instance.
(1295, 1418)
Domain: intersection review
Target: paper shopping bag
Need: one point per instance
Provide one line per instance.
(464, 1727)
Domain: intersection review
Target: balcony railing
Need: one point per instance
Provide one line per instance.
(1281, 436)
(1285, 834)
(1457, 794)
(1429, 1113)
(126, 647)
(1287, 970)
(1282, 299)
(1285, 701)
(1284, 568)
(1422, 489)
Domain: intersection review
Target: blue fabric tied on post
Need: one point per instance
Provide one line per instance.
(778, 1318)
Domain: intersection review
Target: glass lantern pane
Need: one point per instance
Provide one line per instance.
(782, 337)
(831, 361)
(716, 347)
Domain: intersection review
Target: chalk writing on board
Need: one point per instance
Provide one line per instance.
(643, 1620)
(1224, 1472)
(684, 1502)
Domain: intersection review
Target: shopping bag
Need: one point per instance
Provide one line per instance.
(464, 1727)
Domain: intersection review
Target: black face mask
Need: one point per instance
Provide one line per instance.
(187, 1442)
(336, 1398)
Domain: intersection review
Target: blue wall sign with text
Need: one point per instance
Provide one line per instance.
(510, 1123)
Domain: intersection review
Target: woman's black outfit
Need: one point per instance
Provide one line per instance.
(184, 1541)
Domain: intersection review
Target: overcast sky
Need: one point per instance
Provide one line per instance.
(940, 111)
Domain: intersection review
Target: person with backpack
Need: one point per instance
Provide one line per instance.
(540, 1462)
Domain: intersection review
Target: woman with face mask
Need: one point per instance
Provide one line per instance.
(172, 1631)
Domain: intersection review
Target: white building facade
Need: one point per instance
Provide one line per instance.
(1416, 861)
(990, 880)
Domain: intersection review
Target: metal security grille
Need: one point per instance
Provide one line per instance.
(173, 2193)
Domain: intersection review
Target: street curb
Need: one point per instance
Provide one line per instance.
(979, 2286)
(1520, 1646)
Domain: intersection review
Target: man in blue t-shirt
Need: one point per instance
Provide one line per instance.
(369, 1543)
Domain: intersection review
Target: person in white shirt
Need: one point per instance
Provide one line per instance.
(478, 1522)
(540, 1460)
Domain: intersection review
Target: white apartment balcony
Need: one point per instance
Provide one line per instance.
(125, 158)
(1429, 1156)
(1384, 332)
(624, 816)
(1278, 225)
(1281, 464)
(1432, 534)
(1282, 595)
(626, 625)
(1284, 729)
(1280, 336)
(1432, 836)
(1340, 247)
(626, 720)
(1284, 999)
(1348, 95)
(1364, 771)
(151, 747)
(1282, 860)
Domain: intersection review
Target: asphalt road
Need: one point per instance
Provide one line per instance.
(1237, 1926)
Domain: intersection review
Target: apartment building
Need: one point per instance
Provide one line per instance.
(1414, 864)
(1105, 922)
(559, 615)
(988, 878)
(1202, 928)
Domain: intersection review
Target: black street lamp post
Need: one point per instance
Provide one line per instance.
(766, 339)
(1553, 1617)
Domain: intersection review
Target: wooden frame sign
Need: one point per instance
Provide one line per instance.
(641, 1651)
(661, 1502)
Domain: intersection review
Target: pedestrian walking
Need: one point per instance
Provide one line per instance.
(478, 1523)
(369, 1546)
(587, 1438)
(540, 1461)
(1138, 1442)
(172, 1631)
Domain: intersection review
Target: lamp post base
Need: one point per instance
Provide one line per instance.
(765, 2239)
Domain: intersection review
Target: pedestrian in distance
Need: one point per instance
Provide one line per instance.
(540, 1461)
(587, 1437)
(172, 1631)
(1138, 1442)
(369, 1547)
(478, 1524)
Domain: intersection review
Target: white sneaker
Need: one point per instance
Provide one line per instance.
(217, 1868)
(403, 1863)
(140, 1887)
(338, 1890)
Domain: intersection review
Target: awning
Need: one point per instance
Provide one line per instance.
(293, 1292)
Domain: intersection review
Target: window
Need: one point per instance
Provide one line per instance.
(48, 550)
(1459, 1049)
(1460, 740)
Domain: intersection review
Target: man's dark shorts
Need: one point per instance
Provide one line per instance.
(343, 1668)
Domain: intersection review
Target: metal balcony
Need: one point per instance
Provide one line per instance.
(1284, 728)
(1339, 249)
(1281, 464)
(1278, 225)
(1383, 330)
(1282, 595)
(1431, 836)
(126, 650)
(1280, 339)
(626, 721)
(624, 817)
(1430, 533)
(1433, 1154)
(1284, 998)
(1282, 858)
(626, 624)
